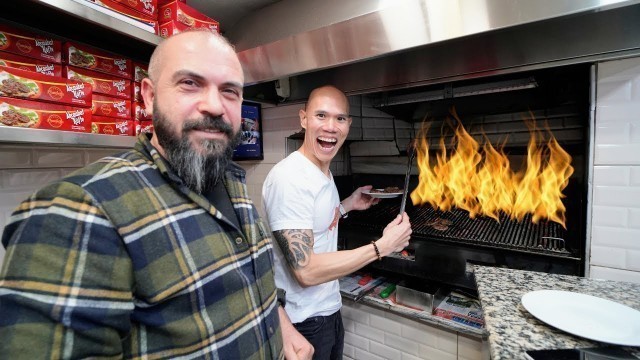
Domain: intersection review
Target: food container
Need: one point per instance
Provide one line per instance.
(423, 299)
(20, 83)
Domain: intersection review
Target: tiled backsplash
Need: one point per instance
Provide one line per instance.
(615, 231)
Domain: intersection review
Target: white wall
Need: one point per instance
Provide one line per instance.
(615, 231)
(374, 334)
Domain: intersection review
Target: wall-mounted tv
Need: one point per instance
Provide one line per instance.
(250, 147)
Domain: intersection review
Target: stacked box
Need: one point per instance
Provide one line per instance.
(176, 16)
(112, 126)
(144, 11)
(29, 44)
(102, 83)
(30, 64)
(41, 115)
(107, 106)
(35, 86)
(88, 57)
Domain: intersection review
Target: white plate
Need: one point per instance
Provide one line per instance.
(382, 195)
(586, 316)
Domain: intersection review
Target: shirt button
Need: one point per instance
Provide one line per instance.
(270, 330)
(238, 240)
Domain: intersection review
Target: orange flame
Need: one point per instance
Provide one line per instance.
(481, 180)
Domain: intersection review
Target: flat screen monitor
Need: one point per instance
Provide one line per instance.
(251, 146)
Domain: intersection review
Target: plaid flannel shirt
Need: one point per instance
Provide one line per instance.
(121, 260)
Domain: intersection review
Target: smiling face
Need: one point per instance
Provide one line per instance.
(326, 122)
(195, 92)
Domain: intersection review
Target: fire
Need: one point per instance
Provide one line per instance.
(479, 178)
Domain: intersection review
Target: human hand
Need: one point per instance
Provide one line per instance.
(295, 346)
(395, 235)
(358, 200)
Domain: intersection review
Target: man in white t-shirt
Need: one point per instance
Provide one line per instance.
(303, 208)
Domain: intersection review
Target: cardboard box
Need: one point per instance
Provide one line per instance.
(111, 126)
(145, 8)
(136, 95)
(140, 71)
(129, 8)
(97, 60)
(173, 27)
(462, 309)
(42, 115)
(101, 83)
(109, 106)
(139, 112)
(184, 14)
(35, 86)
(26, 43)
(30, 64)
(146, 127)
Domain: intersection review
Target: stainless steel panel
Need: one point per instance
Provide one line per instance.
(39, 136)
(407, 25)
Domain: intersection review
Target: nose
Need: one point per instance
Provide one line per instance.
(331, 124)
(211, 103)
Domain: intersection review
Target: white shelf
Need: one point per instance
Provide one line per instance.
(105, 18)
(62, 138)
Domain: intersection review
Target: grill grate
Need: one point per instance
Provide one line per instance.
(543, 237)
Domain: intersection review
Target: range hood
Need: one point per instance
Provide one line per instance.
(371, 46)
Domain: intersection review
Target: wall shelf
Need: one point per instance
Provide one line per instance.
(62, 138)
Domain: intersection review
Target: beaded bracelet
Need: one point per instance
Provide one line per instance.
(375, 247)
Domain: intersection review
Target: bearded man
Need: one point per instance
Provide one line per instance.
(157, 252)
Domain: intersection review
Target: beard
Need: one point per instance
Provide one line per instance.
(200, 169)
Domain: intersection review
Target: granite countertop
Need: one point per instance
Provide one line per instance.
(512, 329)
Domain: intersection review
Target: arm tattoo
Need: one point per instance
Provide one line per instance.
(296, 245)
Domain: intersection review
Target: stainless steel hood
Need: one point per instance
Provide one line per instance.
(405, 43)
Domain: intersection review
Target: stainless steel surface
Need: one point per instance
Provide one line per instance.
(228, 12)
(418, 42)
(96, 17)
(593, 80)
(38, 136)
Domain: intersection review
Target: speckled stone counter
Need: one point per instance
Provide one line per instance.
(512, 330)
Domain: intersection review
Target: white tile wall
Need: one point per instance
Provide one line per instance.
(371, 333)
(26, 168)
(615, 223)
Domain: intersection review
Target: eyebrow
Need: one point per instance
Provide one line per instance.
(187, 73)
(326, 112)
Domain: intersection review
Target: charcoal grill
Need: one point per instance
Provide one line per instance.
(545, 237)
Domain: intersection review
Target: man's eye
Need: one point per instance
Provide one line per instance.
(342, 118)
(188, 82)
(321, 116)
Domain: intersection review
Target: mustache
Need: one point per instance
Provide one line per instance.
(208, 122)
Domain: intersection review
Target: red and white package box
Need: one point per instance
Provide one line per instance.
(146, 127)
(109, 106)
(147, 9)
(102, 83)
(139, 112)
(30, 64)
(97, 60)
(35, 86)
(33, 45)
(112, 126)
(42, 115)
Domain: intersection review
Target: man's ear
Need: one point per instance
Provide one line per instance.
(148, 93)
(303, 118)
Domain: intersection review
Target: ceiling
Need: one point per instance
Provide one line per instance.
(228, 12)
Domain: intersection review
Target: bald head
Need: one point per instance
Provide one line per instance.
(328, 91)
(171, 46)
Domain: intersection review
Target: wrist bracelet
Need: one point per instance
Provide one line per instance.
(375, 247)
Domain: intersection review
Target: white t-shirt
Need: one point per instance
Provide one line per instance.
(297, 195)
